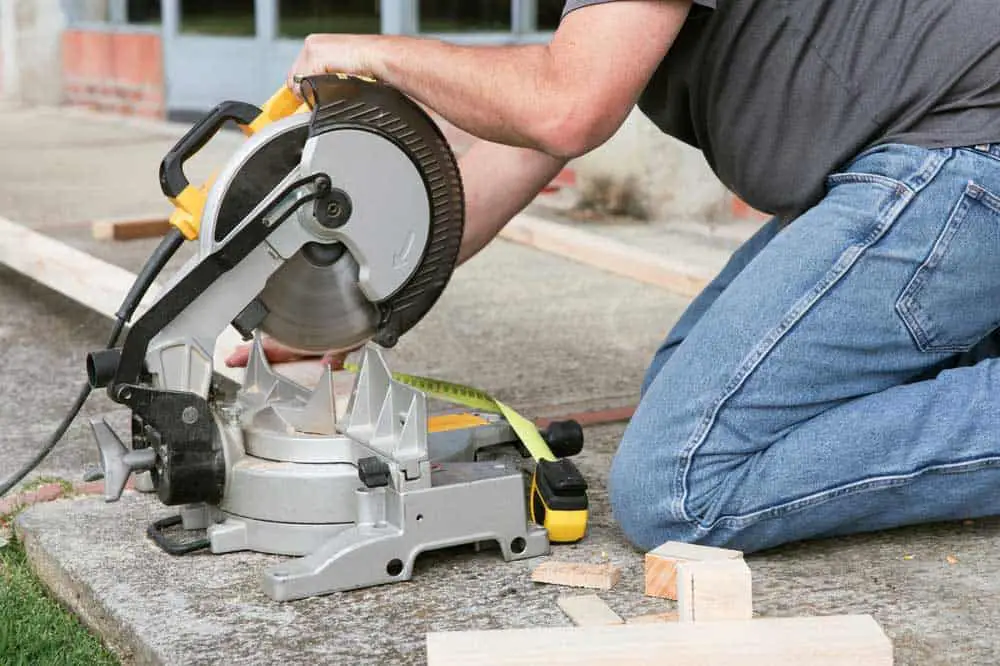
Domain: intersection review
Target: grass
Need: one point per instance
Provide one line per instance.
(35, 630)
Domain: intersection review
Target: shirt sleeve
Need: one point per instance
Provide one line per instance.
(577, 4)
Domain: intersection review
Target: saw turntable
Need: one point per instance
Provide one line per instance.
(335, 226)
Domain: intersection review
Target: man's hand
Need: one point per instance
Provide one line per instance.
(331, 54)
(278, 353)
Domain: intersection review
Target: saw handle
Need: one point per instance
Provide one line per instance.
(173, 182)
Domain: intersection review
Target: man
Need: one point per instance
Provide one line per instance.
(837, 376)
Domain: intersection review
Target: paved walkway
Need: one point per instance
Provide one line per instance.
(534, 329)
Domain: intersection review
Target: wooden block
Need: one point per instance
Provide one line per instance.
(844, 640)
(654, 618)
(577, 574)
(661, 565)
(588, 610)
(714, 590)
(130, 229)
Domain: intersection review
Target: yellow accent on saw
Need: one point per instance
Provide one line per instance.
(447, 422)
(282, 104)
(188, 207)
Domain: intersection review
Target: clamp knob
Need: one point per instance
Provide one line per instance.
(374, 472)
(565, 438)
(117, 462)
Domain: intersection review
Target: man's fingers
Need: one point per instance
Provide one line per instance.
(335, 360)
(239, 358)
(273, 351)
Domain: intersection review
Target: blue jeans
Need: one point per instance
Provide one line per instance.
(839, 376)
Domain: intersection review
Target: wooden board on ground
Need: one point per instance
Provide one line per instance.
(844, 640)
(607, 254)
(661, 562)
(577, 574)
(588, 610)
(130, 228)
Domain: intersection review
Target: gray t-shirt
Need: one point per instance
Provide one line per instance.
(780, 93)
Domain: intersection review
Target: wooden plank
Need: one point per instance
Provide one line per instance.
(588, 610)
(577, 574)
(716, 590)
(844, 640)
(101, 287)
(607, 254)
(130, 229)
(661, 562)
(87, 280)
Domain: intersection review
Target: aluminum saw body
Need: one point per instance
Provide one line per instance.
(386, 233)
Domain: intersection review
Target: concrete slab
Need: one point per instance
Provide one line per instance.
(203, 609)
(65, 167)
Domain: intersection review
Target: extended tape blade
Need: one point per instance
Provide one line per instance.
(474, 398)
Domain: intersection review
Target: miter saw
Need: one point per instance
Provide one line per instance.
(336, 225)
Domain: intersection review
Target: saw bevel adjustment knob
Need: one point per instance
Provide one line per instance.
(373, 472)
(117, 462)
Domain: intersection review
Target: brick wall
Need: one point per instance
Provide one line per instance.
(120, 72)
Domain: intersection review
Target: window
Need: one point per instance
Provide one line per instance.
(549, 13)
(300, 18)
(465, 16)
(143, 11)
(232, 18)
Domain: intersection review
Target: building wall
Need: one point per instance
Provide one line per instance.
(29, 34)
(114, 71)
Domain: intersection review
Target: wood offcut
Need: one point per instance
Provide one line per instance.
(577, 574)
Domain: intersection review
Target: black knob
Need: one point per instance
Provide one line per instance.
(373, 472)
(102, 367)
(565, 438)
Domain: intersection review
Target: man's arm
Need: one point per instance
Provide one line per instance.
(562, 99)
(499, 181)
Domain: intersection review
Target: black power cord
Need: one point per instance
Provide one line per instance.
(154, 265)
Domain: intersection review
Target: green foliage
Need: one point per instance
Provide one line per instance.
(34, 629)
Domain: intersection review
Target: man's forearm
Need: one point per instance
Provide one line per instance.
(523, 172)
(501, 94)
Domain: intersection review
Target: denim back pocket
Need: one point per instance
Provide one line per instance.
(953, 300)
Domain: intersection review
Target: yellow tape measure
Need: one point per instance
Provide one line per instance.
(558, 491)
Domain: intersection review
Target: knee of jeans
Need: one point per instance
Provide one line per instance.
(643, 502)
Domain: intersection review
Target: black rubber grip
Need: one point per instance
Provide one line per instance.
(172, 178)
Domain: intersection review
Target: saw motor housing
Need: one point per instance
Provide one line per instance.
(332, 227)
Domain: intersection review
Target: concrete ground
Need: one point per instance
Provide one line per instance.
(531, 328)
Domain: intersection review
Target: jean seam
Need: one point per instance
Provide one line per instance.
(900, 187)
(981, 153)
(857, 487)
(799, 309)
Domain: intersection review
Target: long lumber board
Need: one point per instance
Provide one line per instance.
(607, 254)
(842, 640)
(101, 287)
